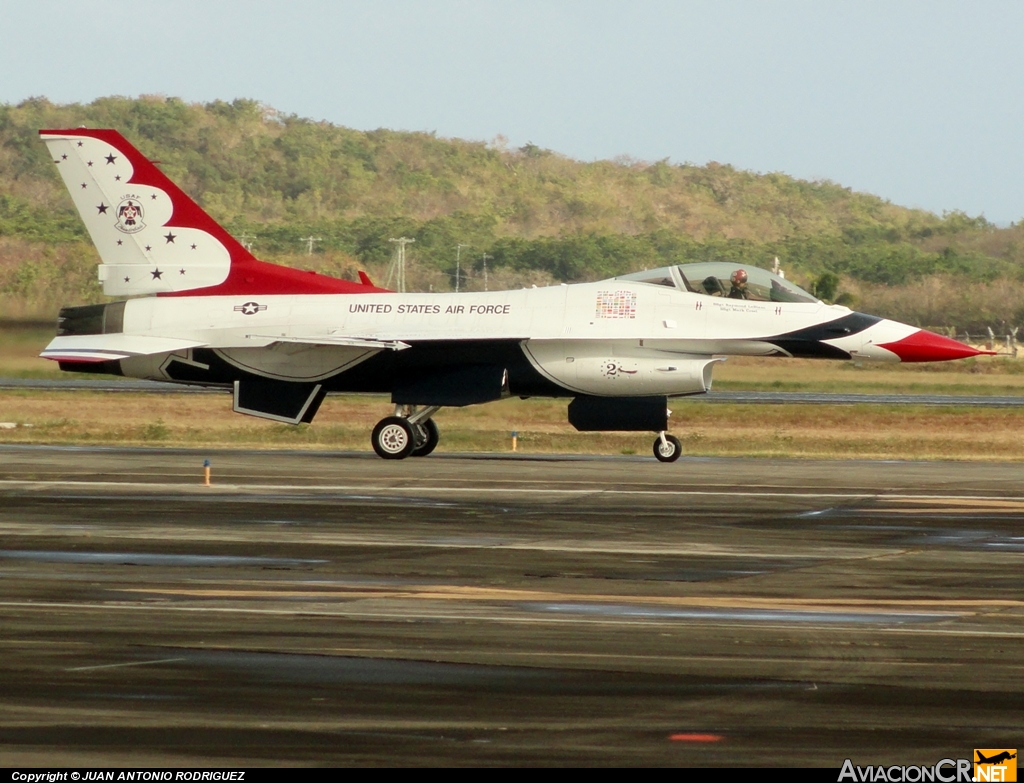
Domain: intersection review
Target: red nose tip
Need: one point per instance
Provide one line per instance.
(926, 346)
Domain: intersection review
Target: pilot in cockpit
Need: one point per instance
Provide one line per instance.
(739, 285)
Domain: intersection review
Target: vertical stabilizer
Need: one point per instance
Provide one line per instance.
(154, 239)
(151, 237)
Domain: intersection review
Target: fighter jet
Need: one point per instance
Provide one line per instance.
(203, 310)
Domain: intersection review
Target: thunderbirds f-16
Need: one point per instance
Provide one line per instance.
(203, 310)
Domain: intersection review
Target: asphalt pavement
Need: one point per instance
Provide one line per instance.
(323, 608)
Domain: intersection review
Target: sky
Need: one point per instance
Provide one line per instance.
(921, 103)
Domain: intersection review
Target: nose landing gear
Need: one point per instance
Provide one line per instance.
(667, 448)
(410, 432)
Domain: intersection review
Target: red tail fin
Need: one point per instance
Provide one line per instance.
(153, 238)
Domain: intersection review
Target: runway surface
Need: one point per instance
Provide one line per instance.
(314, 608)
(733, 397)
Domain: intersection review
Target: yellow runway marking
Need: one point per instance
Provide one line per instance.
(456, 593)
(36, 606)
(947, 510)
(947, 505)
(962, 502)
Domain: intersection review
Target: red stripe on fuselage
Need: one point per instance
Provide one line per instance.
(253, 277)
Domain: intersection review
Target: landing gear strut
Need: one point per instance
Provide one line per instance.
(429, 438)
(667, 448)
(410, 432)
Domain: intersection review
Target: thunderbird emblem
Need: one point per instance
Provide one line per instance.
(129, 216)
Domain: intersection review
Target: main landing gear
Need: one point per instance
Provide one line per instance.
(667, 448)
(409, 433)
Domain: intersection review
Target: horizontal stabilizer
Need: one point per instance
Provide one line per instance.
(110, 347)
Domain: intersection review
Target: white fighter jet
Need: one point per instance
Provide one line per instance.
(200, 309)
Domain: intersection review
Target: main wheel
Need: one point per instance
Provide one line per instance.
(392, 438)
(668, 451)
(431, 436)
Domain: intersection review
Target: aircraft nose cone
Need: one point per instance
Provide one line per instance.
(924, 346)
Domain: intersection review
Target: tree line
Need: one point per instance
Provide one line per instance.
(535, 215)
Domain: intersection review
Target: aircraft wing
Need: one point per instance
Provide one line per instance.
(351, 342)
(375, 341)
(111, 347)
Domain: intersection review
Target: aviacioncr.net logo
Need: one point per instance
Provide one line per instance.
(995, 764)
(944, 771)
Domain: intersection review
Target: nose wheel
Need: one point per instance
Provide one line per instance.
(410, 432)
(667, 448)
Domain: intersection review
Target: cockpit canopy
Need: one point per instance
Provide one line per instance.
(720, 278)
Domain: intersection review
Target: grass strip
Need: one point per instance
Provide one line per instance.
(344, 423)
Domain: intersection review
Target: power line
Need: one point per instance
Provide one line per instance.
(398, 265)
(309, 243)
(458, 264)
(485, 257)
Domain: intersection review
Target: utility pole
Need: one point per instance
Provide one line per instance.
(485, 257)
(458, 264)
(399, 263)
(309, 243)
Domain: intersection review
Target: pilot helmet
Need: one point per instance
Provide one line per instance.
(739, 277)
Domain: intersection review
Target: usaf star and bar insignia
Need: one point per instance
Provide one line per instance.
(249, 308)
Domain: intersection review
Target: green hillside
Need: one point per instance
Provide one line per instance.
(538, 216)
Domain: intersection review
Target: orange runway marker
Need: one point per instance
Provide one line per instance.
(696, 737)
